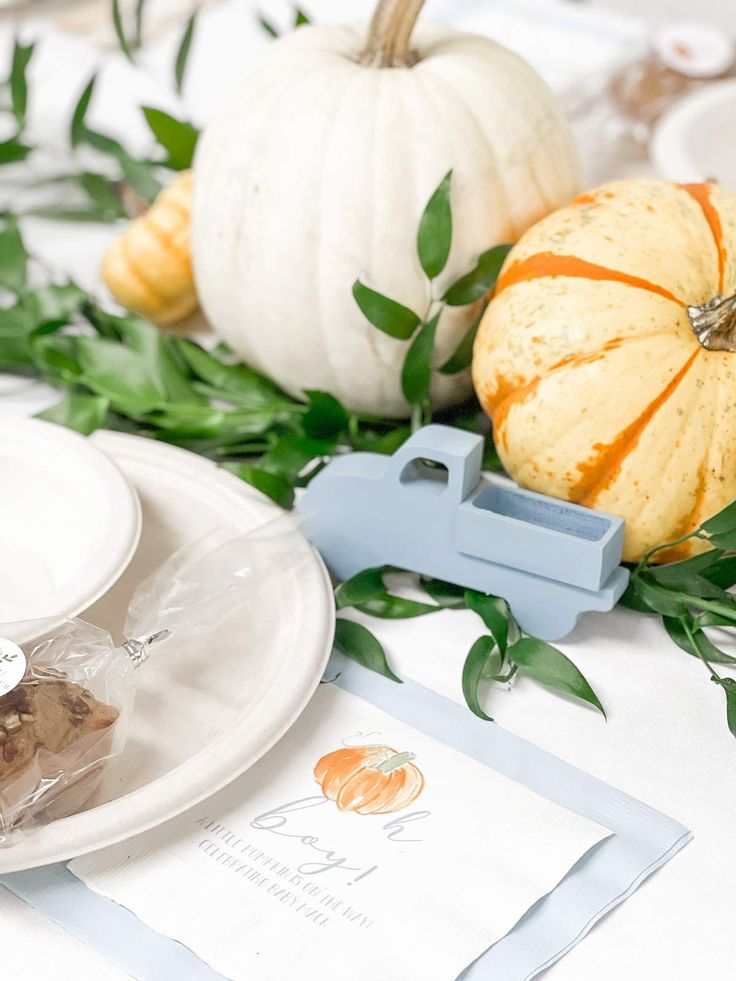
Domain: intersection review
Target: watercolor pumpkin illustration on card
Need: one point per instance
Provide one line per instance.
(369, 779)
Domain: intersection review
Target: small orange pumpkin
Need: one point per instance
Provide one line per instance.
(369, 779)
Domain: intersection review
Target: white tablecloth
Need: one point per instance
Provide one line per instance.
(666, 740)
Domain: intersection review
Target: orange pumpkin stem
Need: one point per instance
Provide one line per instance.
(396, 761)
(389, 34)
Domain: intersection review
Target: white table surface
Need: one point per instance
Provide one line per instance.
(665, 741)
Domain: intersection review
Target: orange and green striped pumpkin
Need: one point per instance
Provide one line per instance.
(591, 360)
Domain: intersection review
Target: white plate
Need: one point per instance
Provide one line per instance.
(202, 716)
(69, 522)
(696, 139)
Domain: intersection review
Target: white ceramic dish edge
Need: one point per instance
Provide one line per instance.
(45, 845)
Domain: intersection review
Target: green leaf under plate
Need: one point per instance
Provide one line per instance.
(361, 587)
(434, 238)
(84, 413)
(357, 642)
(273, 485)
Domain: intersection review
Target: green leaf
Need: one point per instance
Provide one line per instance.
(105, 144)
(87, 212)
(390, 607)
(325, 417)
(479, 281)
(291, 454)
(700, 645)
(551, 667)
(729, 687)
(139, 176)
(182, 54)
(655, 598)
(118, 373)
(16, 353)
(725, 540)
(57, 356)
(434, 237)
(445, 594)
(723, 573)
(370, 441)
(416, 373)
(117, 23)
(391, 317)
(474, 671)
(162, 366)
(13, 151)
(100, 191)
(22, 54)
(230, 379)
(462, 356)
(77, 126)
(675, 574)
(273, 485)
(632, 598)
(178, 138)
(360, 588)
(494, 613)
(202, 422)
(84, 413)
(724, 521)
(300, 18)
(358, 643)
(54, 303)
(13, 257)
(138, 22)
(268, 27)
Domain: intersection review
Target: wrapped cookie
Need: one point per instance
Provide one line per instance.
(66, 697)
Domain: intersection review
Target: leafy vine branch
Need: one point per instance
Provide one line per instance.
(433, 244)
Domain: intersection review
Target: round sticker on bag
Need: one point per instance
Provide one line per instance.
(12, 665)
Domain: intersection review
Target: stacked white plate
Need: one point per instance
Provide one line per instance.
(82, 522)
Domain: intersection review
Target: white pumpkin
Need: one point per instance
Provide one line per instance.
(316, 170)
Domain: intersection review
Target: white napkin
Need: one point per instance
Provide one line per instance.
(270, 879)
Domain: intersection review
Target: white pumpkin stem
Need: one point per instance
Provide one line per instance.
(395, 761)
(389, 35)
(714, 323)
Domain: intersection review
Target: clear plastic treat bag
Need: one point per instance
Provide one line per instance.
(66, 697)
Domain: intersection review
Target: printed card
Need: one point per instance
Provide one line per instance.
(357, 849)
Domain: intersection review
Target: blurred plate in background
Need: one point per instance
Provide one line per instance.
(696, 139)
